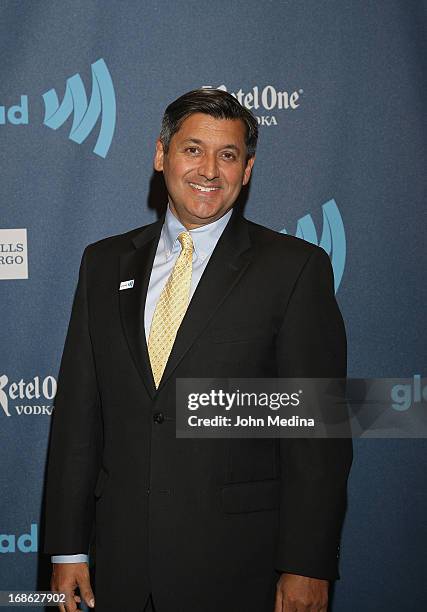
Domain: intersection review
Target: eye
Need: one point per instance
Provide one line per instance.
(192, 150)
(228, 155)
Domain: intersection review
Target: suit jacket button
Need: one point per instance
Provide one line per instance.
(158, 418)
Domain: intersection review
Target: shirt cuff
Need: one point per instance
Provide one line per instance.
(69, 558)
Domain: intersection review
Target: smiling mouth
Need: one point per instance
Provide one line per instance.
(204, 189)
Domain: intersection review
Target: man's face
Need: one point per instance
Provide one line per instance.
(205, 168)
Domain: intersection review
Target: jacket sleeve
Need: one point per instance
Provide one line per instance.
(314, 472)
(76, 437)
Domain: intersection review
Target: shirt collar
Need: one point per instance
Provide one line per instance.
(204, 237)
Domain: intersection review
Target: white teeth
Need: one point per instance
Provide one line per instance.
(200, 188)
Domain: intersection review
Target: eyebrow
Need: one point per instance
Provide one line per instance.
(198, 141)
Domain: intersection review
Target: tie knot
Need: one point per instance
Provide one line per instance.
(186, 242)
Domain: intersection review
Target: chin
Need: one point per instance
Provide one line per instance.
(204, 211)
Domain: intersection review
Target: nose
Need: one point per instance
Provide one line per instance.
(209, 167)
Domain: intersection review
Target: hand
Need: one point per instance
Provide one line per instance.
(301, 594)
(66, 577)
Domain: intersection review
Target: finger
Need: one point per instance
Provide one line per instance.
(288, 606)
(86, 592)
(317, 607)
(70, 604)
(278, 602)
(54, 589)
(89, 600)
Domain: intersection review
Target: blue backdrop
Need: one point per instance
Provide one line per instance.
(338, 88)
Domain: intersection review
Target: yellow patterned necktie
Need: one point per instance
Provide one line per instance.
(170, 309)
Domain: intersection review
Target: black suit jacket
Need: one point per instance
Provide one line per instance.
(203, 524)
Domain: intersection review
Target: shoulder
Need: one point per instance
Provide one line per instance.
(270, 242)
(284, 254)
(116, 241)
(116, 244)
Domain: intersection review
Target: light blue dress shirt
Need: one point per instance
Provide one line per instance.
(205, 239)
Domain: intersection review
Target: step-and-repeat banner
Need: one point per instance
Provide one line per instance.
(338, 90)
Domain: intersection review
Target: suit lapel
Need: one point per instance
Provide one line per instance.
(137, 264)
(227, 263)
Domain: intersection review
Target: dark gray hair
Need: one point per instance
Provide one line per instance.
(215, 102)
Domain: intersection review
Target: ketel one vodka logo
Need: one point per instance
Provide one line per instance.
(27, 398)
(265, 101)
(86, 114)
(332, 240)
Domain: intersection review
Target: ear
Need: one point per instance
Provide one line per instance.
(248, 170)
(159, 155)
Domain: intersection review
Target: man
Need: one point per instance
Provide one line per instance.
(190, 525)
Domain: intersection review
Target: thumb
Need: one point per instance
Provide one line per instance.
(86, 592)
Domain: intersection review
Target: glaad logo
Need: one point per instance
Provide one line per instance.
(266, 99)
(36, 389)
(16, 115)
(404, 395)
(26, 543)
(102, 102)
(332, 240)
